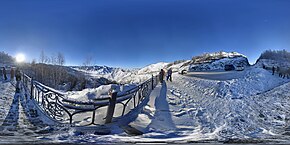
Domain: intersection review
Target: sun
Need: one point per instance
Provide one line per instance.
(20, 57)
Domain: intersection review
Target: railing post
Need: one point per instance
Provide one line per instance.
(111, 107)
(31, 87)
(152, 82)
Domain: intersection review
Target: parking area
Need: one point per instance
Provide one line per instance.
(217, 75)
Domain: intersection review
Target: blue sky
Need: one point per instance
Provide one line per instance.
(135, 33)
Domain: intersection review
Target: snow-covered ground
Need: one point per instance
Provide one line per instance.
(251, 105)
(249, 108)
(20, 121)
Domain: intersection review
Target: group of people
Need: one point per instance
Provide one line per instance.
(162, 74)
(282, 72)
(13, 73)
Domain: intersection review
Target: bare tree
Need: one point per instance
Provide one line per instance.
(60, 59)
(88, 61)
(53, 59)
(42, 57)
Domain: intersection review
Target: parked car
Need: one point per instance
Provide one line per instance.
(240, 68)
(182, 72)
(229, 67)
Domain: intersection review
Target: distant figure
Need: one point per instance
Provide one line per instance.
(4, 73)
(12, 74)
(169, 75)
(273, 70)
(264, 67)
(18, 74)
(18, 79)
(161, 75)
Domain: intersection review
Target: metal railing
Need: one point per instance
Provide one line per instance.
(100, 111)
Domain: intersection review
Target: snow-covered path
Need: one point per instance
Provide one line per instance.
(254, 107)
(19, 120)
(231, 109)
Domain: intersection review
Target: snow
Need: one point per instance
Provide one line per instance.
(19, 120)
(220, 64)
(198, 109)
(203, 106)
(88, 95)
(269, 63)
(177, 66)
(103, 71)
(123, 76)
(153, 68)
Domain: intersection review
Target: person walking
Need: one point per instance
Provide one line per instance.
(18, 79)
(18, 74)
(169, 75)
(12, 74)
(161, 75)
(4, 73)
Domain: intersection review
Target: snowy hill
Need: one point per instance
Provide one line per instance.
(216, 61)
(98, 70)
(111, 73)
(269, 63)
(6, 59)
(120, 75)
(153, 68)
(274, 58)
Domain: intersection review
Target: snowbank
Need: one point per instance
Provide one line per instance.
(100, 92)
(256, 80)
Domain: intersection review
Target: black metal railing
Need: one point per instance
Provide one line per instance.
(62, 109)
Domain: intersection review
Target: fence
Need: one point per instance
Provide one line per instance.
(64, 110)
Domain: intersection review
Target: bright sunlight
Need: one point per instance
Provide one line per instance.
(20, 57)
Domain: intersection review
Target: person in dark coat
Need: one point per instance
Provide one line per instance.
(169, 75)
(4, 73)
(161, 75)
(18, 79)
(12, 74)
(18, 74)
(273, 70)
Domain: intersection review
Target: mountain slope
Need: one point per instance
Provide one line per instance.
(216, 61)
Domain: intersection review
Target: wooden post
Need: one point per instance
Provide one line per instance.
(152, 82)
(111, 107)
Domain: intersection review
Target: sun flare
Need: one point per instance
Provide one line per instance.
(20, 57)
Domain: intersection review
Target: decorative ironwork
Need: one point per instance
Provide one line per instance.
(63, 110)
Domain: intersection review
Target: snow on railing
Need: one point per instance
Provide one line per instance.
(63, 110)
